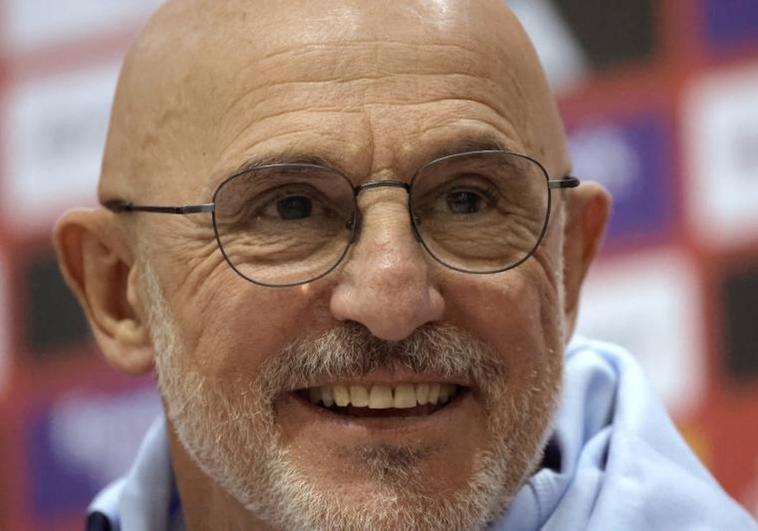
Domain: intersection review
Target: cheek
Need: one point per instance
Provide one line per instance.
(514, 312)
(234, 326)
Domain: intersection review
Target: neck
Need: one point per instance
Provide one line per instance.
(205, 504)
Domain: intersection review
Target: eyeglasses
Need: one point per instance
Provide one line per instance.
(281, 225)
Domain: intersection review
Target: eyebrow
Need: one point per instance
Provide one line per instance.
(479, 142)
(284, 158)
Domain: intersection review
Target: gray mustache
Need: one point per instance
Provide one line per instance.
(350, 350)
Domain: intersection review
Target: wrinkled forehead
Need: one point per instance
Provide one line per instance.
(210, 84)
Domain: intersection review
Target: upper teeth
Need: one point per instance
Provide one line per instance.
(401, 396)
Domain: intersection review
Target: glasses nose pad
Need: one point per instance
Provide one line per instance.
(354, 225)
(416, 223)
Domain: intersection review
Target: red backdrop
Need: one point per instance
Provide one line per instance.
(662, 109)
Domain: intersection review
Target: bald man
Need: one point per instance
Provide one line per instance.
(345, 236)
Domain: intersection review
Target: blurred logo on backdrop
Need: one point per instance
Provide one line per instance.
(721, 156)
(4, 327)
(51, 322)
(34, 24)
(631, 156)
(739, 300)
(81, 443)
(55, 129)
(650, 304)
(573, 37)
(729, 23)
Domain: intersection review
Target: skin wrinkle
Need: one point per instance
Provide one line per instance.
(375, 41)
(374, 76)
(371, 153)
(418, 49)
(482, 87)
(389, 85)
(362, 43)
(240, 143)
(262, 120)
(402, 175)
(199, 274)
(264, 67)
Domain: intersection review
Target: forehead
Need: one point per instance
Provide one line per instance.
(372, 118)
(370, 86)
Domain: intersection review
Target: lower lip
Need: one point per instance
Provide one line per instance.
(374, 424)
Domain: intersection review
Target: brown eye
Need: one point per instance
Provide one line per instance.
(294, 207)
(464, 202)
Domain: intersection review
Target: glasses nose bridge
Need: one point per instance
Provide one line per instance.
(383, 183)
(373, 184)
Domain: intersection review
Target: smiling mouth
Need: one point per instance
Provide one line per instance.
(403, 400)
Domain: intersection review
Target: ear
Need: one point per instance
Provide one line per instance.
(97, 264)
(587, 211)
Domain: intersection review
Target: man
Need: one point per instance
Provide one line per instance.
(346, 237)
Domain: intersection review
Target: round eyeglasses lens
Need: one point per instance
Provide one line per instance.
(284, 224)
(481, 212)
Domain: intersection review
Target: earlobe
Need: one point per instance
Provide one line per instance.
(588, 210)
(96, 262)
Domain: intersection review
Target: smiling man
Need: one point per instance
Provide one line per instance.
(345, 236)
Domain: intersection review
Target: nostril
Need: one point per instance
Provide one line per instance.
(390, 312)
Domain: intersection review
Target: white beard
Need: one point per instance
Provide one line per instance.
(231, 434)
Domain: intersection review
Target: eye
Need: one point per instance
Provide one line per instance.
(294, 207)
(464, 202)
(291, 203)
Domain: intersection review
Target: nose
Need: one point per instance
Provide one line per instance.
(385, 284)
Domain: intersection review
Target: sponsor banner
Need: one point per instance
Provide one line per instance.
(53, 325)
(34, 24)
(631, 157)
(55, 131)
(81, 443)
(650, 304)
(730, 22)
(749, 497)
(721, 157)
(561, 54)
(739, 301)
(5, 342)
(573, 38)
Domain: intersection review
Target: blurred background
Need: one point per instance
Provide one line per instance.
(660, 99)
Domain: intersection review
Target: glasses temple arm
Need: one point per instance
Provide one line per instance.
(125, 206)
(566, 182)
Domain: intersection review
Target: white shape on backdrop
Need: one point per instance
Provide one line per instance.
(55, 129)
(602, 152)
(721, 156)
(649, 304)
(559, 51)
(100, 433)
(29, 25)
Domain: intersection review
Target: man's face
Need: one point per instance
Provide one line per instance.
(239, 363)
